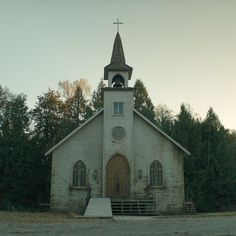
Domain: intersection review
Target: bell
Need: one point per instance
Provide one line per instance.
(118, 84)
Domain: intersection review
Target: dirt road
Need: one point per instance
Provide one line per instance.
(41, 224)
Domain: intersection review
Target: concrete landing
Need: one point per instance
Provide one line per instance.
(99, 207)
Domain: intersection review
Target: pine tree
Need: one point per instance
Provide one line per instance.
(213, 165)
(97, 98)
(186, 131)
(142, 101)
(77, 108)
(17, 163)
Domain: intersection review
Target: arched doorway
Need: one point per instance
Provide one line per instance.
(117, 177)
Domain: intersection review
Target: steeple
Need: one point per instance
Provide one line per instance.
(117, 72)
(118, 55)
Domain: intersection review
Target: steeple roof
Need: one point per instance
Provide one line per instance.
(117, 59)
(118, 55)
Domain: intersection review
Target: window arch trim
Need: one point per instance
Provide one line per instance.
(79, 174)
(156, 173)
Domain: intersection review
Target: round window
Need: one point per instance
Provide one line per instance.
(118, 133)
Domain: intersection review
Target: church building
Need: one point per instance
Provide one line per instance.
(117, 153)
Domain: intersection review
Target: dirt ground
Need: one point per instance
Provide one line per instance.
(39, 224)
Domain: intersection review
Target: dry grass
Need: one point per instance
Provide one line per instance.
(33, 217)
(48, 217)
(233, 213)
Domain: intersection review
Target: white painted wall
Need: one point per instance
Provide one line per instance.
(85, 145)
(150, 145)
(110, 147)
(93, 144)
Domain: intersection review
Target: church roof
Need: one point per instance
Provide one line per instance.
(162, 132)
(117, 59)
(138, 113)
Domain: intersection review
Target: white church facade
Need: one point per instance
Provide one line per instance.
(117, 153)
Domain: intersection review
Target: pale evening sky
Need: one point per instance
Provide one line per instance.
(183, 50)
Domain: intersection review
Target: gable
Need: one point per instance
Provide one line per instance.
(161, 133)
(96, 118)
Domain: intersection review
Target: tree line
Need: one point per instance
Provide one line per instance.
(26, 134)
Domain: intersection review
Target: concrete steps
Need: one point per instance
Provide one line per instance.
(144, 207)
(99, 208)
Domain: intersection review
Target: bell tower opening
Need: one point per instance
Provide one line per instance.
(118, 81)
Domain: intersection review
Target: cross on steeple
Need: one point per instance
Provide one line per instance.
(117, 23)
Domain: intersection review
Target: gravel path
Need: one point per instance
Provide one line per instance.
(38, 224)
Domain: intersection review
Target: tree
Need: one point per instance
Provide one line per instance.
(210, 180)
(97, 98)
(186, 130)
(47, 116)
(4, 100)
(142, 101)
(77, 108)
(165, 118)
(67, 89)
(18, 166)
(214, 164)
(50, 126)
(185, 126)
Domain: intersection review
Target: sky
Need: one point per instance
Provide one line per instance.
(183, 50)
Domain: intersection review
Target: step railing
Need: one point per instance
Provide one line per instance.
(134, 207)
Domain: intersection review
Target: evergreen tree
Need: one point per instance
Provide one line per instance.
(18, 185)
(77, 108)
(186, 131)
(213, 165)
(97, 98)
(142, 101)
(185, 127)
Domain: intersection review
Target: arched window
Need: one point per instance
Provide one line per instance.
(79, 174)
(156, 174)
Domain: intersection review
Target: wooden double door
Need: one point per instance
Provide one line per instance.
(117, 177)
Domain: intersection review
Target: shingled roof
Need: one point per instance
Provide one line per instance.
(117, 59)
(118, 55)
